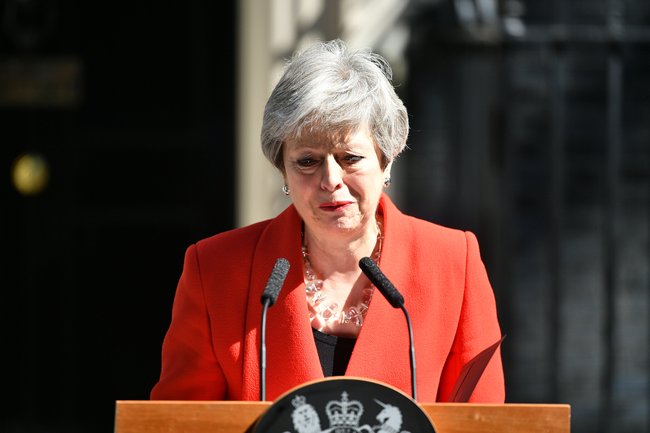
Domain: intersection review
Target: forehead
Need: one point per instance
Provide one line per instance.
(323, 139)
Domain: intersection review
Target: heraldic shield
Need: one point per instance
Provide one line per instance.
(344, 405)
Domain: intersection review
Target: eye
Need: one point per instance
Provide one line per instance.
(352, 159)
(306, 162)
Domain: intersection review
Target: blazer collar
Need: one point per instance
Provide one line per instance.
(292, 358)
(382, 351)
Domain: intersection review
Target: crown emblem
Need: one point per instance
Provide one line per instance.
(344, 413)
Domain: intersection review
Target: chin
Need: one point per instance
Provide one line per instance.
(341, 224)
(348, 226)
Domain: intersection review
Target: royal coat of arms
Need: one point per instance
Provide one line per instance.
(344, 416)
(344, 405)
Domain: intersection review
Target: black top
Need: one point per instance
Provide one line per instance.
(334, 352)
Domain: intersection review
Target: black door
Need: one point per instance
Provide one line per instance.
(126, 108)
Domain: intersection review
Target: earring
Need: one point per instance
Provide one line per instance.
(387, 182)
(285, 189)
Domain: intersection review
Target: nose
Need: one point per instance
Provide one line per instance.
(332, 175)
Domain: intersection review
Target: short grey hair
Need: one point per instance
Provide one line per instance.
(330, 88)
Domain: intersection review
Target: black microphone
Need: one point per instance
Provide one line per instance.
(395, 298)
(377, 277)
(269, 296)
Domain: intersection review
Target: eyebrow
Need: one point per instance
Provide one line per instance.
(309, 145)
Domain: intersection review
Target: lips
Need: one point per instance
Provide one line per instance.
(335, 205)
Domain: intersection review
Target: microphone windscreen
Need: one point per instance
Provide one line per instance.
(275, 281)
(377, 277)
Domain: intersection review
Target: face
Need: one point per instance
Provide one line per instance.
(335, 179)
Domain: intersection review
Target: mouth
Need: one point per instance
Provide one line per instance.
(333, 206)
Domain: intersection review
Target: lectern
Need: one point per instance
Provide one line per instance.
(240, 417)
(339, 405)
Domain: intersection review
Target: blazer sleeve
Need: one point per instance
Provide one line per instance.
(190, 369)
(478, 328)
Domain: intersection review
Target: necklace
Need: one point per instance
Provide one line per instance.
(329, 312)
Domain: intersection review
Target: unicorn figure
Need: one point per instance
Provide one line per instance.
(390, 418)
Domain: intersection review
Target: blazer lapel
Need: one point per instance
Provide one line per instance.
(382, 351)
(292, 358)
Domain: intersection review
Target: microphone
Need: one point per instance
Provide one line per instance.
(269, 296)
(377, 277)
(395, 298)
(275, 281)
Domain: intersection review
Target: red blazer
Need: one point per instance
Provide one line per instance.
(211, 350)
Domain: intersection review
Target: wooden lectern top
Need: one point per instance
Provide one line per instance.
(240, 416)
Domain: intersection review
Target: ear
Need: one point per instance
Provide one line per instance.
(387, 170)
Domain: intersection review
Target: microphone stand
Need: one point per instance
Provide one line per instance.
(265, 306)
(269, 296)
(396, 300)
(414, 388)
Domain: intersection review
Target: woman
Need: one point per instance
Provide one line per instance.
(333, 127)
